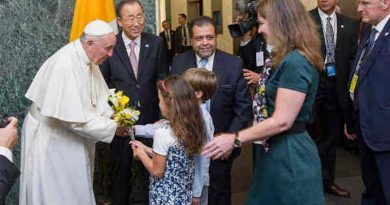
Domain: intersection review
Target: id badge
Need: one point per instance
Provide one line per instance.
(353, 83)
(259, 58)
(330, 69)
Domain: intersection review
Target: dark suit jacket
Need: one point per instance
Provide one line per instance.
(372, 91)
(231, 106)
(8, 175)
(344, 54)
(170, 52)
(179, 39)
(152, 66)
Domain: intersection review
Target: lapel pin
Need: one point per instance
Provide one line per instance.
(147, 45)
(387, 33)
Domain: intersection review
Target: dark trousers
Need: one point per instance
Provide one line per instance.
(328, 119)
(120, 163)
(220, 189)
(375, 174)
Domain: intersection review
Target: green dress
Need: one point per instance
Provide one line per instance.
(290, 173)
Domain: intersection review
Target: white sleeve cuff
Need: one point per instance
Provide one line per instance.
(242, 43)
(6, 152)
(146, 131)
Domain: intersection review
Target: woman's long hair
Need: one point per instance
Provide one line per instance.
(183, 112)
(292, 27)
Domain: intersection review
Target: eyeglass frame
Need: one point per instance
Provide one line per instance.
(139, 18)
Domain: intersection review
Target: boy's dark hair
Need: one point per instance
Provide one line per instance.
(201, 80)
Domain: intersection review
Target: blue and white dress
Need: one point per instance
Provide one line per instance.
(175, 186)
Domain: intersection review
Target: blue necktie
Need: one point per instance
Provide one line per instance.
(203, 62)
(371, 39)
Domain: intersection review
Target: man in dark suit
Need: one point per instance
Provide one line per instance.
(230, 107)
(338, 41)
(369, 96)
(137, 63)
(183, 35)
(168, 35)
(8, 171)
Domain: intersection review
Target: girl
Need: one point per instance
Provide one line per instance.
(171, 161)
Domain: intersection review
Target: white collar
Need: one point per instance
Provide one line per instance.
(127, 40)
(81, 52)
(323, 15)
(379, 27)
(210, 59)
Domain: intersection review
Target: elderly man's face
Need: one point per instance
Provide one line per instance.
(132, 20)
(204, 40)
(373, 11)
(101, 48)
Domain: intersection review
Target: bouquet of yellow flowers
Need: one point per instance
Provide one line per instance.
(125, 115)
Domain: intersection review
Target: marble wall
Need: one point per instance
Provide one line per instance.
(32, 30)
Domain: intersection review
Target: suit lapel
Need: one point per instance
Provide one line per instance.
(144, 47)
(217, 69)
(317, 18)
(120, 48)
(379, 44)
(340, 32)
(191, 59)
(358, 54)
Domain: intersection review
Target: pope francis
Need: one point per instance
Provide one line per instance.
(68, 115)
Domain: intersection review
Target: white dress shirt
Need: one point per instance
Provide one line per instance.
(127, 42)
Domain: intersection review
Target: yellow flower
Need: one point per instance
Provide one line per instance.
(124, 102)
(117, 118)
(119, 93)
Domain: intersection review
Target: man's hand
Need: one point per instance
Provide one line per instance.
(250, 76)
(122, 132)
(349, 136)
(9, 134)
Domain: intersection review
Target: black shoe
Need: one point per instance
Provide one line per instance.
(338, 191)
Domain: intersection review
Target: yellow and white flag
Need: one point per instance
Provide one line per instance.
(86, 11)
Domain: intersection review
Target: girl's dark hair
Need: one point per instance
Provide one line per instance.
(183, 112)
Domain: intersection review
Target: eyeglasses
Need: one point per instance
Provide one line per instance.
(132, 19)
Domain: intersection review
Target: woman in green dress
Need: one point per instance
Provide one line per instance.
(290, 172)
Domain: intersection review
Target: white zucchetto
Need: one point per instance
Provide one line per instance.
(98, 28)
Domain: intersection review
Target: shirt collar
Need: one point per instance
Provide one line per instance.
(210, 59)
(81, 52)
(323, 15)
(127, 40)
(379, 27)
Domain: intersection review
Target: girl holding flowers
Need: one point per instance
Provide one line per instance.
(171, 160)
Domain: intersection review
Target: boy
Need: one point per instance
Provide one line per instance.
(204, 83)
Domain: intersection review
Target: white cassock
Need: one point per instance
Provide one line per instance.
(68, 116)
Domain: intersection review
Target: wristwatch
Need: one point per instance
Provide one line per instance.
(237, 142)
